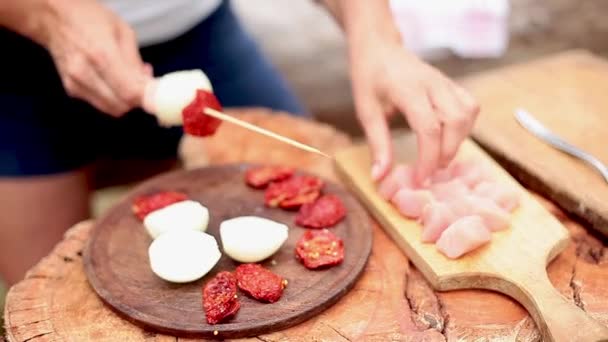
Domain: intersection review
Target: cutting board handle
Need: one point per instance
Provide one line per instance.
(557, 319)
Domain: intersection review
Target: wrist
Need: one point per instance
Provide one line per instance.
(34, 19)
(369, 24)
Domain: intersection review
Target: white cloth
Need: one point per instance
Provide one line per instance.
(157, 21)
(468, 28)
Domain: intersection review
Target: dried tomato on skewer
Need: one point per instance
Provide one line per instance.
(196, 122)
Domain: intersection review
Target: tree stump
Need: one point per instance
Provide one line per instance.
(391, 302)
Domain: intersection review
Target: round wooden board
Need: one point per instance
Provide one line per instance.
(117, 265)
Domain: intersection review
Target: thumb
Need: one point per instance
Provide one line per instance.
(147, 102)
(378, 136)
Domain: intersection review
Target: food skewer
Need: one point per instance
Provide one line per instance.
(224, 117)
(167, 98)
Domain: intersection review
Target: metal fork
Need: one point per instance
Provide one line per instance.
(535, 127)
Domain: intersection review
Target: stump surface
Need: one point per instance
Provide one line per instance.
(390, 302)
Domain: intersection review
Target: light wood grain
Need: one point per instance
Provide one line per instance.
(567, 93)
(391, 302)
(513, 263)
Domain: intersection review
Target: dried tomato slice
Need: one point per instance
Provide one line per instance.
(143, 205)
(298, 201)
(320, 248)
(219, 298)
(259, 282)
(196, 122)
(325, 212)
(259, 177)
(293, 192)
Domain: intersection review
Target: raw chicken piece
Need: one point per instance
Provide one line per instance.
(460, 206)
(449, 190)
(505, 196)
(462, 236)
(402, 176)
(470, 172)
(436, 217)
(495, 218)
(411, 202)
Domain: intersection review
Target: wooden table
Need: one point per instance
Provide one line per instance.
(391, 302)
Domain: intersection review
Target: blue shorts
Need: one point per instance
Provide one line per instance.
(44, 131)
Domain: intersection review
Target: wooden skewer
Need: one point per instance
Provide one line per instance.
(224, 117)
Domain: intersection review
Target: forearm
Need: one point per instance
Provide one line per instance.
(29, 18)
(364, 19)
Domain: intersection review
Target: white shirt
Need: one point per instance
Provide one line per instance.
(157, 21)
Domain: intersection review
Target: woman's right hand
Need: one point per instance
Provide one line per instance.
(96, 54)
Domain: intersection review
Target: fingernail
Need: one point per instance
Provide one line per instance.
(376, 170)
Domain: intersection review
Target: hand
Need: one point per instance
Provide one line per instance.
(387, 78)
(96, 55)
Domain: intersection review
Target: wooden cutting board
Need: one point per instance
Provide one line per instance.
(567, 93)
(514, 263)
(117, 265)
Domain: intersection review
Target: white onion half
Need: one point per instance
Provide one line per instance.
(183, 256)
(184, 215)
(169, 94)
(251, 238)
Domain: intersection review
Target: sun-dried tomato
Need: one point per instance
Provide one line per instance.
(298, 201)
(259, 177)
(325, 212)
(196, 122)
(259, 282)
(220, 301)
(143, 205)
(293, 192)
(320, 248)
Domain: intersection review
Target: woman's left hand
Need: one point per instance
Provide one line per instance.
(387, 78)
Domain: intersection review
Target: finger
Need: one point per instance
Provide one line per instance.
(128, 43)
(389, 185)
(469, 105)
(400, 176)
(108, 106)
(467, 100)
(128, 46)
(123, 71)
(97, 90)
(128, 84)
(455, 121)
(378, 135)
(148, 70)
(81, 81)
(425, 123)
(99, 94)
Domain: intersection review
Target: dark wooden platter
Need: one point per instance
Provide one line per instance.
(117, 265)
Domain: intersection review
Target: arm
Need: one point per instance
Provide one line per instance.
(353, 15)
(387, 78)
(14, 16)
(94, 51)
